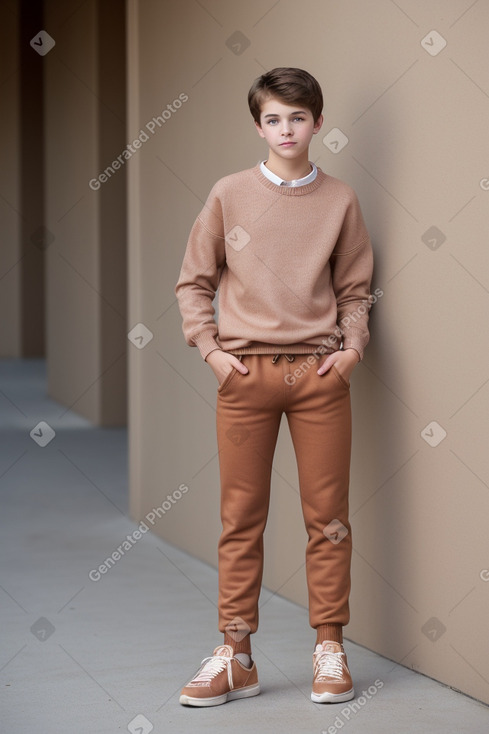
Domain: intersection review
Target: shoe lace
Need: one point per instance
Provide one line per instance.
(329, 665)
(211, 667)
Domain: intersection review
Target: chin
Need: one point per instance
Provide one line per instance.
(294, 150)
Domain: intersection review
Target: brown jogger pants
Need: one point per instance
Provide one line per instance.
(249, 410)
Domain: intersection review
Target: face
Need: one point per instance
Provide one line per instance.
(287, 130)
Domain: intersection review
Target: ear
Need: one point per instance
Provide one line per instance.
(259, 130)
(318, 124)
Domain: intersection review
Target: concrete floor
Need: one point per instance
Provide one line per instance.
(109, 655)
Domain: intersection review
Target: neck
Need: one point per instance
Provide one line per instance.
(289, 170)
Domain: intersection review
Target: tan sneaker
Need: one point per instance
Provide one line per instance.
(332, 680)
(220, 678)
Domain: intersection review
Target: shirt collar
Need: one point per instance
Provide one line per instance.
(281, 182)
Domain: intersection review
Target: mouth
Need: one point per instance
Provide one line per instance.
(288, 143)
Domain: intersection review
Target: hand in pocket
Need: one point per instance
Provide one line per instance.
(222, 364)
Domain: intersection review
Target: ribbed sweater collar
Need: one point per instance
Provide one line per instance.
(289, 190)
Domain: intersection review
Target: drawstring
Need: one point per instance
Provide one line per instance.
(275, 358)
(288, 357)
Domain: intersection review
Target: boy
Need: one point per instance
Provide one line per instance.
(288, 248)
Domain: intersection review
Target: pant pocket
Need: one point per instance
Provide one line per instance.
(340, 378)
(227, 380)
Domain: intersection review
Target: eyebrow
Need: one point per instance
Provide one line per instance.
(298, 112)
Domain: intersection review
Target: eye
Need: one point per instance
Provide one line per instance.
(270, 121)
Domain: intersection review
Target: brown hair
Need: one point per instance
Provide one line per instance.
(291, 86)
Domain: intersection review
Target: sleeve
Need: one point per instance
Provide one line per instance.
(352, 268)
(199, 277)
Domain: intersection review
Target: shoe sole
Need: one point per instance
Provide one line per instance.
(218, 700)
(332, 697)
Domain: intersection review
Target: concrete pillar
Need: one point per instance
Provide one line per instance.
(86, 258)
(21, 184)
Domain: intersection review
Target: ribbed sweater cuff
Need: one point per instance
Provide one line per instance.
(205, 343)
(353, 344)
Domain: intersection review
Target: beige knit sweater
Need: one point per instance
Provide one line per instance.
(293, 266)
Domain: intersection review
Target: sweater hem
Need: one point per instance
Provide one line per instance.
(282, 349)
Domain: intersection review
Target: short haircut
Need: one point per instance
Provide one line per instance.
(290, 86)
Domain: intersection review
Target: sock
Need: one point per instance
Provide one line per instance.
(332, 632)
(240, 647)
(244, 658)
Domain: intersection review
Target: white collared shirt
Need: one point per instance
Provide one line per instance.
(281, 182)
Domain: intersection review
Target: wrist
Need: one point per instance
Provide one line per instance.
(213, 351)
(352, 351)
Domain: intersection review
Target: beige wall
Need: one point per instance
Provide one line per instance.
(86, 261)
(417, 127)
